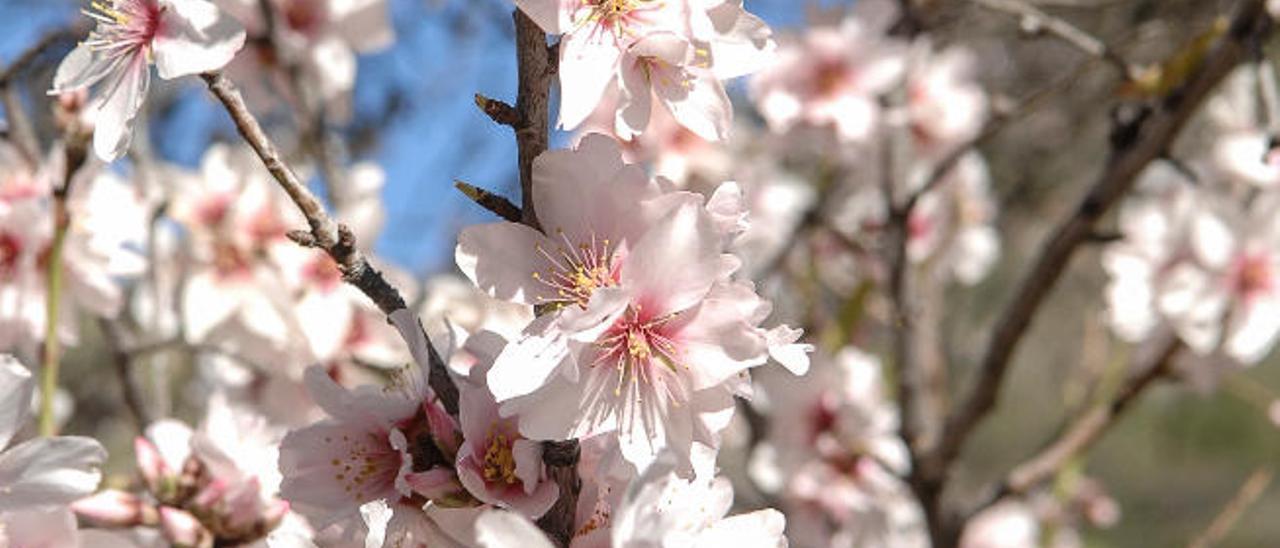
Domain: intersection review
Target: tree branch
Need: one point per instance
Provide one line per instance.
(114, 339)
(1078, 435)
(536, 64)
(497, 204)
(1035, 20)
(1249, 492)
(326, 234)
(1134, 145)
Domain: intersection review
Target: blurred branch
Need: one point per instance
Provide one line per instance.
(20, 130)
(1135, 144)
(326, 234)
(114, 337)
(1079, 434)
(313, 120)
(1249, 492)
(1000, 117)
(1035, 21)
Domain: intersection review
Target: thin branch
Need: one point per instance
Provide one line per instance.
(114, 338)
(20, 130)
(495, 203)
(1134, 145)
(1034, 20)
(29, 55)
(326, 234)
(498, 111)
(312, 115)
(1249, 493)
(1080, 434)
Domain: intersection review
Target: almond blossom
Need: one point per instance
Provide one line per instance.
(1200, 261)
(650, 335)
(383, 455)
(216, 483)
(182, 37)
(233, 293)
(322, 37)
(946, 106)
(495, 463)
(660, 509)
(834, 77)
(676, 51)
(834, 456)
(100, 250)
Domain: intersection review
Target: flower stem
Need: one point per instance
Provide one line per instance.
(53, 297)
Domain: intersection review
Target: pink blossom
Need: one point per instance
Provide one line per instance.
(834, 76)
(321, 37)
(380, 456)
(182, 37)
(495, 462)
(650, 335)
(678, 50)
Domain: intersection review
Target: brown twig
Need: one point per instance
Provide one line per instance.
(536, 64)
(324, 233)
(1249, 492)
(498, 111)
(20, 130)
(497, 204)
(1034, 20)
(1079, 434)
(1137, 143)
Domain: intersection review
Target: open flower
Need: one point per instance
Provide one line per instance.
(182, 37)
(679, 49)
(381, 456)
(495, 463)
(650, 336)
(834, 76)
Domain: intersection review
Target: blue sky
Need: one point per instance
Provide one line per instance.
(445, 51)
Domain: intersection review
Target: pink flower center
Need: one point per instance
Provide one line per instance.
(830, 78)
(575, 271)
(124, 26)
(229, 261)
(617, 16)
(1254, 275)
(635, 342)
(10, 248)
(305, 16)
(212, 210)
(822, 417)
(323, 272)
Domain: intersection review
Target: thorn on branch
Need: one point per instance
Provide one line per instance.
(495, 203)
(498, 111)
